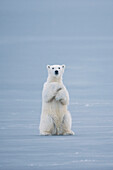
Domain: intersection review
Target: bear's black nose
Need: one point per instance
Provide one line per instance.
(56, 72)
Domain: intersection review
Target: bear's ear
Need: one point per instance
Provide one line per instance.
(63, 66)
(48, 66)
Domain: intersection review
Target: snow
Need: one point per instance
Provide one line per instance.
(78, 34)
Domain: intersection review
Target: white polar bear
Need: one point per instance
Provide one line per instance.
(55, 118)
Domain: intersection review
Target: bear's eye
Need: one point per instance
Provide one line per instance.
(52, 67)
(58, 67)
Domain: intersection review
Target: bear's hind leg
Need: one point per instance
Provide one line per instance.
(66, 125)
(47, 126)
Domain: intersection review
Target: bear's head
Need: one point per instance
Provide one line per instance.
(55, 72)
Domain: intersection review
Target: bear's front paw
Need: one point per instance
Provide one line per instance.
(57, 98)
(60, 96)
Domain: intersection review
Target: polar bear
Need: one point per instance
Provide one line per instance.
(55, 118)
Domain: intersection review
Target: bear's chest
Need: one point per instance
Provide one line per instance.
(55, 108)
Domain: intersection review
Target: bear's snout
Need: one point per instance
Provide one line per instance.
(56, 72)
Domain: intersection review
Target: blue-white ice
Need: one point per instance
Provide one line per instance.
(79, 34)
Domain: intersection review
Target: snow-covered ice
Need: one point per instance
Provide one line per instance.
(78, 34)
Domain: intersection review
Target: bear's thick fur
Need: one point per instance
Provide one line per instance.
(55, 118)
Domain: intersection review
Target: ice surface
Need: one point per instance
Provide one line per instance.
(78, 34)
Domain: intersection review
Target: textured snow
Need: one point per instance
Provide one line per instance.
(78, 34)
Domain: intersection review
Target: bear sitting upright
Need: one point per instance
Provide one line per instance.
(55, 118)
